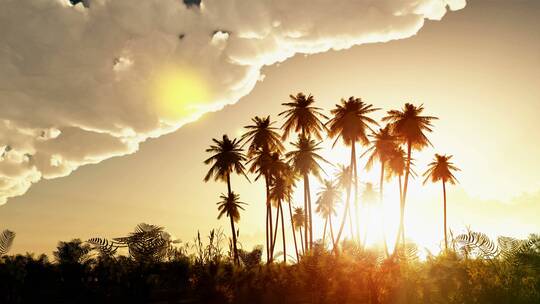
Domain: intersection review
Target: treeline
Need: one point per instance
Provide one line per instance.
(474, 270)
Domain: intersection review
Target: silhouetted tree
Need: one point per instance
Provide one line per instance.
(264, 141)
(351, 122)
(409, 126)
(383, 144)
(305, 119)
(230, 205)
(305, 160)
(328, 197)
(441, 170)
(227, 158)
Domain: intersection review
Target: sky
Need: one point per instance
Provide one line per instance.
(476, 69)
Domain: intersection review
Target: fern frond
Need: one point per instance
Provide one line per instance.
(6, 240)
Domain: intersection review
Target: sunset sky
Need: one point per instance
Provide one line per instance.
(477, 69)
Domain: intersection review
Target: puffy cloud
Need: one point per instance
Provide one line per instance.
(82, 83)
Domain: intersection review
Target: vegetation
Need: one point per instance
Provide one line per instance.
(474, 270)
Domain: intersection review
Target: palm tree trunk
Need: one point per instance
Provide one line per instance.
(275, 232)
(306, 213)
(347, 209)
(357, 210)
(400, 233)
(445, 237)
(302, 240)
(381, 194)
(269, 214)
(405, 187)
(235, 249)
(267, 238)
(331, 228)
(293, 232)
(283, 233)
(310, 214)
(324, 231)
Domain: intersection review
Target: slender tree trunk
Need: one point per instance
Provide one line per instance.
(400, 233)
(306, 212)
(381, 200)
(445, 236)
(310, 214)
(283, 233)
(405, 187)
(302, 240)
(331, 228)
(347, 208)
(235, 249)
(269, 212)
(356, 208)
(275, 231)
(293, 232)
(324, 231)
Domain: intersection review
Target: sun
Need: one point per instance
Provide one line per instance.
(180, 92)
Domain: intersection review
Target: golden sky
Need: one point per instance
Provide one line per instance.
(478, 70)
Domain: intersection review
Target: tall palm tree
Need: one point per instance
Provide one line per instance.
(281, 191)
(409, 126)
(305, 161)
(441, 170)
(344, 181)
(231, 205)
(350, 122)
(263, 140)
(227, 158)
(302, 117)
(383, 144)
(328, 198)
(396, 168)
(299, 221)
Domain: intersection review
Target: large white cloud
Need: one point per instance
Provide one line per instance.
(80, 84)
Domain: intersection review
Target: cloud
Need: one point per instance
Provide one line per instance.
(82, 83)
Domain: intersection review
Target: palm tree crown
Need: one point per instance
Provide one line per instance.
(227, 158)
(302, 117)
(409, 126)
(262, 136)
(441, 170)
(230, 205)
(382, 146)
(328, 198)
(350, 121)
(299, 218)
(305, 159)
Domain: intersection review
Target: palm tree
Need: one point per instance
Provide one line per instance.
(383, 144)
(305, 161)
(263, 140)
(441, 170)
(350, 123)
(299, 221)
(396, 167)
(281, 191)
(328, 198)
(302, 117)
(409, 126)
(344, 182)
(231, 205)
(227, 158)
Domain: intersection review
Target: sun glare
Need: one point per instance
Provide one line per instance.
(180, 93)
